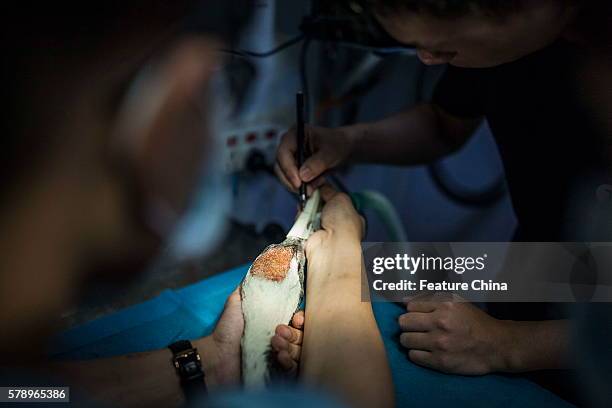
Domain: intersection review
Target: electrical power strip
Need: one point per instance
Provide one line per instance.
(242, 143)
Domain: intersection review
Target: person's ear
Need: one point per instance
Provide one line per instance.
(161, 128)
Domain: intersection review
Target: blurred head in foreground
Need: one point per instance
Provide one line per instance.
(104, 135)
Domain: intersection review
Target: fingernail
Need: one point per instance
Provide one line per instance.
(305, 173)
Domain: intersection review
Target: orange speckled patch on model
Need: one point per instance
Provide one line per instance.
(273, 264)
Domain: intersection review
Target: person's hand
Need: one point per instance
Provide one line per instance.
(221, 350)
(329, 148)
(287, 343)
(339, 221)
(338, 241)
(448, 334)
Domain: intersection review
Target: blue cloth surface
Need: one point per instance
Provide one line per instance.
(192, 312)
(281, 397)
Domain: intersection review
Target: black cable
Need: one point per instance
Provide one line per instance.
(264, 54)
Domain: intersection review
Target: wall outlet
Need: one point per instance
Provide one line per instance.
(241, 143)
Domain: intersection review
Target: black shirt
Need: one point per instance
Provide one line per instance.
(545, 134)
(551, 152)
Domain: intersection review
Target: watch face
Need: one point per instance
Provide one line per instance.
(191, 367)
(188, 364)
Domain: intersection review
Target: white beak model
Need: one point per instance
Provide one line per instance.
(272, 291)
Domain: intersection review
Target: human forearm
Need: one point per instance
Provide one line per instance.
(138, 379)
(416, 136)
(529, 346)
(342, 347)
(444, 332)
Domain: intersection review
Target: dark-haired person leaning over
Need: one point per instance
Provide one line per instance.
(537, 71)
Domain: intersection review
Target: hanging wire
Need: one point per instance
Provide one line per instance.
(264, 54)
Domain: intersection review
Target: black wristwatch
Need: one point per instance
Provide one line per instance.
(188, 365)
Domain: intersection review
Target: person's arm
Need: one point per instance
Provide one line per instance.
(539, 345)
(138, 379)
(342, 349)
(149, 378)
(454, 336)
(418, 135)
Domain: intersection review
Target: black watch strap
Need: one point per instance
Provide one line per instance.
(188, 365)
